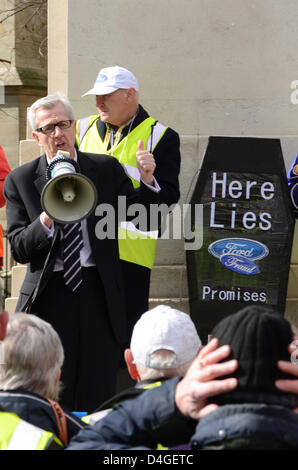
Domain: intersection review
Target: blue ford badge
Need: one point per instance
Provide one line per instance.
(250, 249)
(239, 264)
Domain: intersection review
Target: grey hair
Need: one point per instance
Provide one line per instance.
(49, 102)
(162, 360)
(33, 356)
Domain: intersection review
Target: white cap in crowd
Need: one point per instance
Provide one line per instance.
(164, 327)
(110, 79)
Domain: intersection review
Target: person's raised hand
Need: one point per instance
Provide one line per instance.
(146, 164)
(199, 383)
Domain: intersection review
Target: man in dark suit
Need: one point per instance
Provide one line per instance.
(90, 320)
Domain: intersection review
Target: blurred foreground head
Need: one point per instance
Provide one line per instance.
(33, 356)
(258, 338)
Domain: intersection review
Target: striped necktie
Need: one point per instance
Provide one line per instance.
(72, 245)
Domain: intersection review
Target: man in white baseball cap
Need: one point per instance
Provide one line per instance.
(164, 343)
(123, 129)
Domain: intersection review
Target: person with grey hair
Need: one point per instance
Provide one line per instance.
(84, 302)
(30, 373)
(158, 351)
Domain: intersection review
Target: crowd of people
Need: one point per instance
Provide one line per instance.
(75, 328)
(244, 410)
(239, 391)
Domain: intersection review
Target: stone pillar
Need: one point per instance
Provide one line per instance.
(58, 46)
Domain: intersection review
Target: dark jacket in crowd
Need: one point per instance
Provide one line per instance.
(153, 418)
(247, 426)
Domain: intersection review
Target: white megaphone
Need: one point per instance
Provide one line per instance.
(69, 196)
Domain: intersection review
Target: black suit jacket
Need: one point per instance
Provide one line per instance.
(30, 244)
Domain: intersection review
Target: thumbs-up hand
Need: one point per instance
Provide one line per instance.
(145, 163)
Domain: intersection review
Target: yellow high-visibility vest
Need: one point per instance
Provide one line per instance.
(134, 246)
(17, 434)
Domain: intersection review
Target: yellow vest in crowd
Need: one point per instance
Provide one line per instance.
(16, 434)
(134, 246)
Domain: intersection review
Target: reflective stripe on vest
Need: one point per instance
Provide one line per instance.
(16, 434)
(132, 172)
(134, 246)
(82, 129)
(153, 385)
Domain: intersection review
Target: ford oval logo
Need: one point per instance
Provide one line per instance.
(239, 264)
(250, 249)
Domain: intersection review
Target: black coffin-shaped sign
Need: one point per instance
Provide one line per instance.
(248, 227)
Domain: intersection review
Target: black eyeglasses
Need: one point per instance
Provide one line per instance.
(50, 128)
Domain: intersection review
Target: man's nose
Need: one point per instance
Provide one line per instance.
(58, 131)
(99, 100)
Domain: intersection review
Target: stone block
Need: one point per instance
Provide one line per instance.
(10, 304)
(168, 282)
(17, 278)
(292, 292)
(28, 150)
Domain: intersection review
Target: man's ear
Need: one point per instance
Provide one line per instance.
(131, 94)
(133, 372)
(35, 135)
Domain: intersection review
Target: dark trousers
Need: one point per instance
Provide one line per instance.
(136, 286)
(91, 351)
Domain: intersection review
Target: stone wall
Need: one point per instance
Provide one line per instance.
(205, 67)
